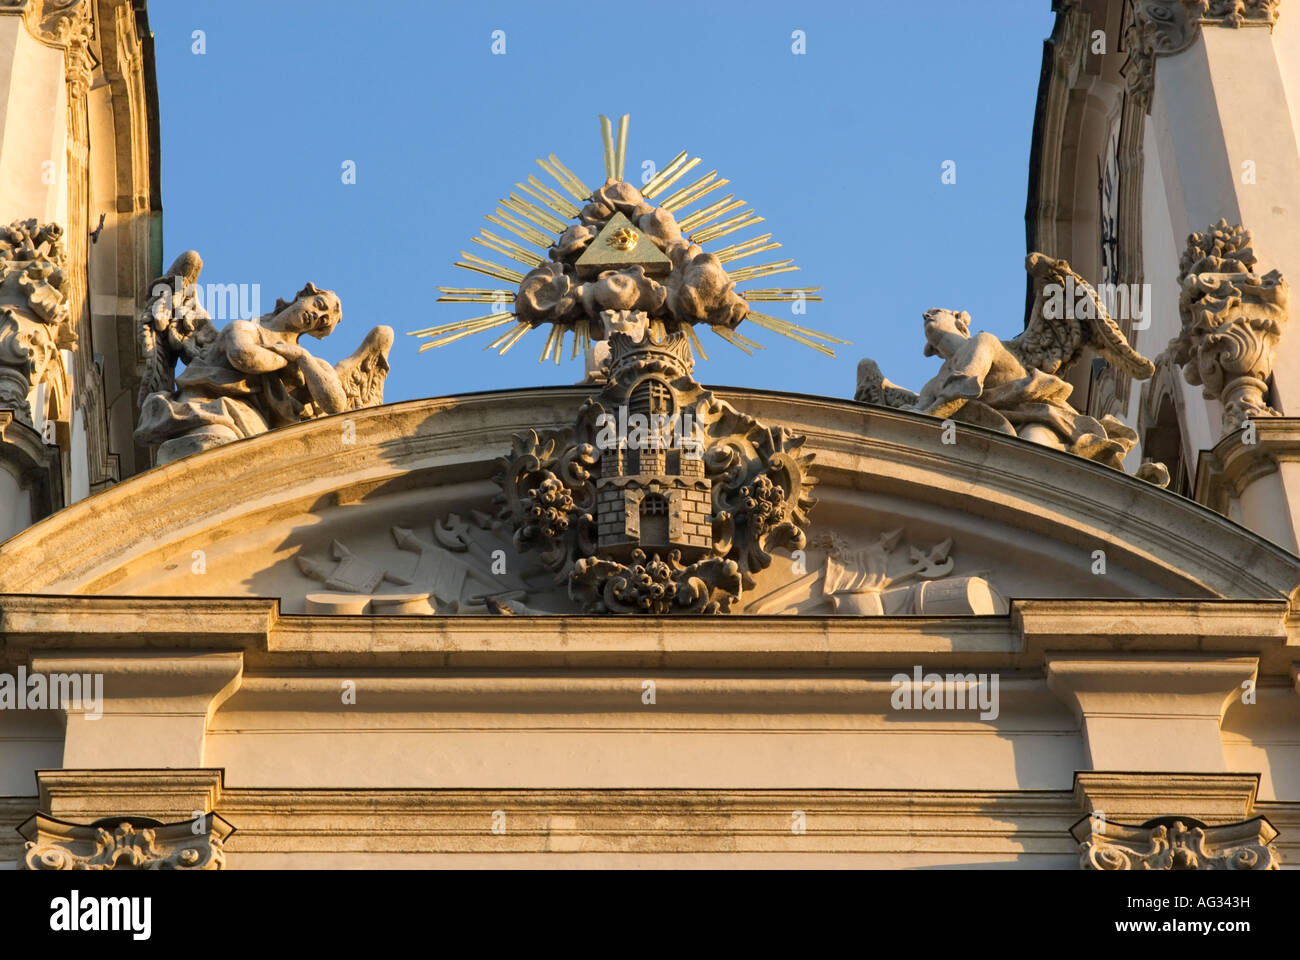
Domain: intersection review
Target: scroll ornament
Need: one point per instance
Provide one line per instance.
(1176, 843)
(1232, 321)
(35, 319)
(126, 843)
(673, 522)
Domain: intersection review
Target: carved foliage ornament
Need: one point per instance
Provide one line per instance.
(126, 843)
(667, 500)
(35, 322)
(1176, 843)
(52, 21)
(1232, 320)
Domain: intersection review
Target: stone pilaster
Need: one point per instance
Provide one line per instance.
(1252, 475)
(1149, 711)
(155, 706)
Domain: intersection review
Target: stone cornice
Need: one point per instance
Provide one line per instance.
(269, 641)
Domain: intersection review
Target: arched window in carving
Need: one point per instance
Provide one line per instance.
(654, 520)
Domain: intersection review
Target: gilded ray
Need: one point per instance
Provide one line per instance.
(514, 338)
(620, 149)
(762, 270)
(607, 141)
(785, 294)
(793, 331)
(746, 219)
(521, 328)
(458, 324)
(511, 250)
(748, 248)
(551, 198)
(541, 210)
(693, 192)
(475, 295)
(479, 325)
(524, 231)
(680, 172)
(712, 211)
(564, 176)
(655, 184)
(695, 340)
(730, 337)
(539, 216)
(489, 268)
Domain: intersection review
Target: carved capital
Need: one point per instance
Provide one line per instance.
(1175, 843)
(1232, 321)
(126, 843)
(52, 21)
(1164, 27)
(35, 320)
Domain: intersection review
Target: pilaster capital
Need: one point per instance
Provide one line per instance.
(57, 22)
(1175, 843)
(1150, 711)
(154, 706)
(1165, 27)
(1243, 456)
(131, 843)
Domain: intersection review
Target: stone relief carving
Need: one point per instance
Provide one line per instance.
(1011, 385)
(1165, 27)
(35, 321)
(1176, 843)
(125, 843)
(249, 376)
(883, 577)
(461, 567)
(678, 520)
(1232, 321)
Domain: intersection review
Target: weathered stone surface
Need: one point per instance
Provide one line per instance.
(248, 377)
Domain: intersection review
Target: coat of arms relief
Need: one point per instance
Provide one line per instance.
(662, 499)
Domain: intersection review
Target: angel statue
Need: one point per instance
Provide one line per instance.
(248, 377)
(1011, 385)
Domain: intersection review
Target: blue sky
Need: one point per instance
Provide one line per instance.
(841, 150)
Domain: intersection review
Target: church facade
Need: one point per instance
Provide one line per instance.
(1037, 612)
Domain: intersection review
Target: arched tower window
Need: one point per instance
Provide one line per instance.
(654, 520)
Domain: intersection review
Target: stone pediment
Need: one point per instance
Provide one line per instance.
(394, 510)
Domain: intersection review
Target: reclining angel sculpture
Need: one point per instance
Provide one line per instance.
(1011, 385)
(249, 376)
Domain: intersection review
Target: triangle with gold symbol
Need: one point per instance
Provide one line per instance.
(619, 244)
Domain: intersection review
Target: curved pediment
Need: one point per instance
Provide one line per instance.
(390, 510)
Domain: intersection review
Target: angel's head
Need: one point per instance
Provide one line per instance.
(941, 326)
(313, 312)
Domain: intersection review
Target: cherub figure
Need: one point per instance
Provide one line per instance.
(250, 376)
(1011, 385)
